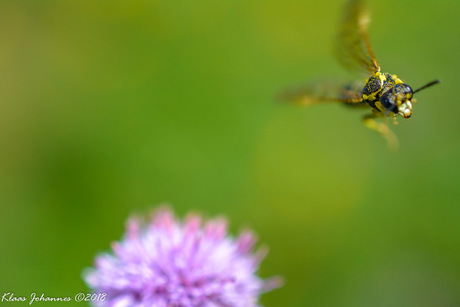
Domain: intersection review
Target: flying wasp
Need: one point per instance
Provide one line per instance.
(386, 94)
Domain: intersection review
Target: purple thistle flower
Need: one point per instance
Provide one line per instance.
(168, 263)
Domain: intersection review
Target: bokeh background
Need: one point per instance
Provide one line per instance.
(114, 107)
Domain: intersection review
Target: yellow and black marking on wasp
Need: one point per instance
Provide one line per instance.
(386, 94)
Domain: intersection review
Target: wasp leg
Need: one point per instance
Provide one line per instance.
(382, 127)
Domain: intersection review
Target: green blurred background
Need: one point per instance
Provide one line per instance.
(114, 107)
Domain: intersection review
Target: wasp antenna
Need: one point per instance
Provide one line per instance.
(427, 85)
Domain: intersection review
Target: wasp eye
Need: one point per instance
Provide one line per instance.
(388, 101)
(404, 90)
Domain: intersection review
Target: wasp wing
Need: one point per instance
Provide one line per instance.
(324, 91)
(353, 48)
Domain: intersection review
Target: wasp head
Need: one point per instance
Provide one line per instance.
(398, 100)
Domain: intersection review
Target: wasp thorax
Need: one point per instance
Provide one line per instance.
(398, 100)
